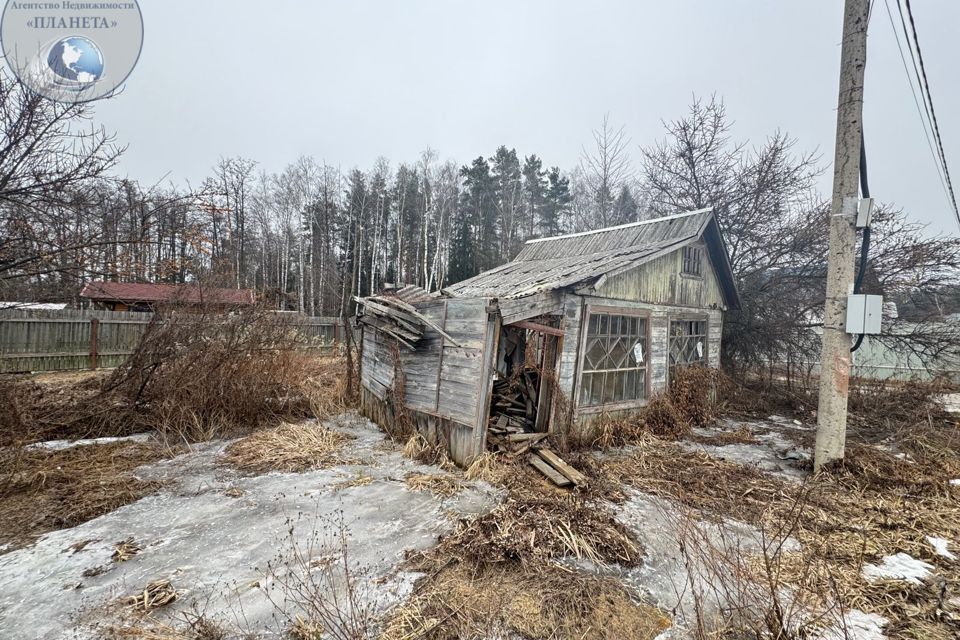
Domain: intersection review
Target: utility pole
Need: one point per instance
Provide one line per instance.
(835, 354)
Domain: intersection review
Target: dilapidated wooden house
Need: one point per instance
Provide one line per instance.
(595, 322)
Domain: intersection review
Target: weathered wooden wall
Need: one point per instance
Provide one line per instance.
(63, 340)
(660, 282)
(445, 385)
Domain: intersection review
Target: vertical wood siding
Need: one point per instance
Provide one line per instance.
(660, 282)
(446, 383)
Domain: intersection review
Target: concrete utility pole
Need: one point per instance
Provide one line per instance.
(835, 356)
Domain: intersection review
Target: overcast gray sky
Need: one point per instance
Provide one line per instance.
(347, 81)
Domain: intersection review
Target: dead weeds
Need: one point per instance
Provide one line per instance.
(156, 594)
(442, 485)
(689, 402)
(502, 573)
(289, 448)
(45, 490)
(465, 599)
(193, 377)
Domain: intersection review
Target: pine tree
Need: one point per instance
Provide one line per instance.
(508, 196)
(474, 244)
(534, 189)
(556, 203)
(625, 209)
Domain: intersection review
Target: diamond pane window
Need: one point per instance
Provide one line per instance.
(614, 360)
(688, 343)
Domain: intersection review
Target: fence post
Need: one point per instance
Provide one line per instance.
(94, 332)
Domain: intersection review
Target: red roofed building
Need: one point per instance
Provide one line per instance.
(131, 296)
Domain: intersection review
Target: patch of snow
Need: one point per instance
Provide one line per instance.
(59, 445)
(857, 625)
(212, 532)
(955, 482)
(950, 402)
(941, 547)
(900, 566)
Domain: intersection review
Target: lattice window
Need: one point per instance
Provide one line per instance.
(614, 360)
(692, 261)
(688, 343)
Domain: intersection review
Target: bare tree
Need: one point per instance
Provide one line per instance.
(604, 170)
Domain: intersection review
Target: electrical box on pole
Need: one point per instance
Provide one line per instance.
(864, 213)
(863, 314)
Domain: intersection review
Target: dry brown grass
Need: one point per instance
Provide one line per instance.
(466, 600)
(48, 490)
(442, 485)
(421, 450)
(291, 448)
(154, 595)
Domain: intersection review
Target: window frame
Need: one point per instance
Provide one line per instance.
(698, 260)
(643, 314)
(688, 317)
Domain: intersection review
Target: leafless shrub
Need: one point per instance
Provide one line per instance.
(196, 374)
(318, 591)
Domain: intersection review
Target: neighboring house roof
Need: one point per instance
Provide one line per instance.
(582, 259)
(34, 306)
(182, 293)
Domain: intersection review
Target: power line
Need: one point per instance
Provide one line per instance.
(925, 89)
(916, 100)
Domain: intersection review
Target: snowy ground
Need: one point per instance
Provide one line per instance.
(212, 533)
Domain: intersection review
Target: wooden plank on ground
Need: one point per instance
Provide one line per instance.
(552, 474)
(520, 437)
(562, 467)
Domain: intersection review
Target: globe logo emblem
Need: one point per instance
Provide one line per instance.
(76, 59)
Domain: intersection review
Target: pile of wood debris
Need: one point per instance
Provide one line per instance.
(511, 430)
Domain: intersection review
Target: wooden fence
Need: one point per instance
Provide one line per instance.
(72, 339)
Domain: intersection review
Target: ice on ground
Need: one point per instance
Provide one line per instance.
(955, 482)
(713, 557)
(660, 526)
(59, 445)
(212, 532)
(772, 452)
(900, 566)
(941, 546)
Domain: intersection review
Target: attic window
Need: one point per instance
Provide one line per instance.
(615, 360)
(692, 261)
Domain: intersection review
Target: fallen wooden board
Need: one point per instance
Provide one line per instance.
(521, 437)
(552, 474)
(562, 467)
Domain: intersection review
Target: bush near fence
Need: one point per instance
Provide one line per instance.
(74, 339)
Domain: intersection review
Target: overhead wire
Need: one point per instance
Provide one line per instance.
(928, 101)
